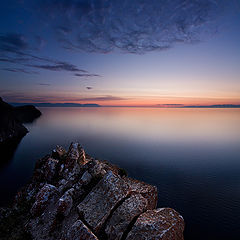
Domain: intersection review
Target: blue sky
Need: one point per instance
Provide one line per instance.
(138, 52)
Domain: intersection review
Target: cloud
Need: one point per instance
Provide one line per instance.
(44, 84)
(136, 26)
(61, 66)
(14, 49)
(12, 42)
(19, 70)
(12, 96)
(63, 30)
(64, 66)
(86, 75)
(89, 88)
(40, 42)
(174, 105)
(128, 26)
(101, 98)
(14, 60)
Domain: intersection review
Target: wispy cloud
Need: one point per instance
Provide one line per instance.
(101, 98)
(12, 96)
(13, 42)
(61, 66)
(44, 84)
(170, 105)
(86, 75)
(131, 26)
(19, 70)
(15, 50)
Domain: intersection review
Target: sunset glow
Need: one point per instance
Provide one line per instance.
(49, 64)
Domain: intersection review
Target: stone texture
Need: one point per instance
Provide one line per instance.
(43, 199)
(148, 191)
(73, 164)
(59, 152)
(79, 231)
(99, 203)
(162, 223)
(64, 204)
(97, 169)
(123, 216)
(86, 178)
(75, 154)
(50, 169)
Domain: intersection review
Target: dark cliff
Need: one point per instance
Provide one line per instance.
(26, 114)
(12, 119)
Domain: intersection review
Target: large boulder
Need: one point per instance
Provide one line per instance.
(131, 208)
(50, 169)
(148, 191)
(76, 154)
(79, 231)
(99, 203)
(162, 224)
(43, 199)
(65, 203)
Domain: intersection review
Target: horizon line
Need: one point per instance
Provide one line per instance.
(73, 104)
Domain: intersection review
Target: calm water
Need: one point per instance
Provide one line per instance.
(191, 155)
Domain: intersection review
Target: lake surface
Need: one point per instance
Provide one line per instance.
(191, 155)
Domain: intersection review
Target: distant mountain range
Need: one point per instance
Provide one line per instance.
(97, 105)
(198, 106)
(57, 104)
(214, 106)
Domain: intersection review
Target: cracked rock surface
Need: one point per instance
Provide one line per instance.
(73, 196)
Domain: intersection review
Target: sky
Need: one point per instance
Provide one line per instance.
(120, 53)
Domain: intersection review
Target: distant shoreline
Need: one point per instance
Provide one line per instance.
(97, 105)
(57, 104)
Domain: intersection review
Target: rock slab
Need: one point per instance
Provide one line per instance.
(162, 223)
(99, 203)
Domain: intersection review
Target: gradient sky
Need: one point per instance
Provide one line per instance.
(120, 53)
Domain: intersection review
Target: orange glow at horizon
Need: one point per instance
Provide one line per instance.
(133, 98)
(143, 101)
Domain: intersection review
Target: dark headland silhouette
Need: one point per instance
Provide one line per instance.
(12, 129)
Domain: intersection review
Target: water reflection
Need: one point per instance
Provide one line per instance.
(219, 125)
(191, 155)
(7, 150)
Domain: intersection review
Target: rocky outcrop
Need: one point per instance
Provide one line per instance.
(162, 223)
(11, 119)
(72, 196)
